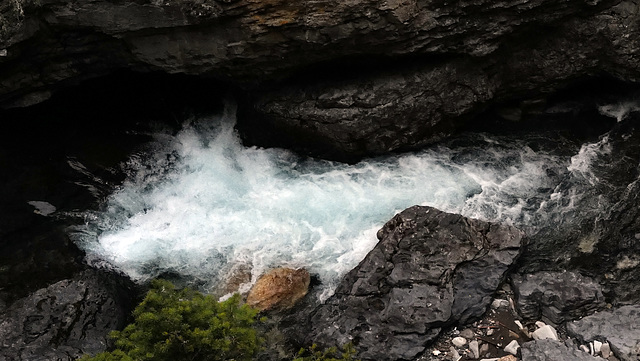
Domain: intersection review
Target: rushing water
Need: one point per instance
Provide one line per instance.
(201, 203)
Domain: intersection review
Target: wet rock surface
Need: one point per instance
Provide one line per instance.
(618, 327)
(598, 234)
(430, 269)
(66, 319)
(556, 296)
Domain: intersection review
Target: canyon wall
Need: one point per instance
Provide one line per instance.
(339, 79)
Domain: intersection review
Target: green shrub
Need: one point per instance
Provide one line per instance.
(330, 354)
(175, 325)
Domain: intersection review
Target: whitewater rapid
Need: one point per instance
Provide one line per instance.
(201, 203)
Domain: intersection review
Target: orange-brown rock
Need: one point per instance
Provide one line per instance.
(279, 289)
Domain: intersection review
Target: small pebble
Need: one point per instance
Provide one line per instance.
(512, 347)
(508, 358)
(467, 333)
(545, 332)
(455, 356)
(597, 346)
(459, 341)
(605, 350)
(475, 351)
(484, 348)
(436, 352)
(584, 348)
(499, 303)
(519, 324)
(490, 331)
(540, 324)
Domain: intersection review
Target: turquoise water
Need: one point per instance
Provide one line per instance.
(201, 203)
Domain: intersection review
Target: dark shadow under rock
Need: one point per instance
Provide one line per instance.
(430, 270)
(66, 319)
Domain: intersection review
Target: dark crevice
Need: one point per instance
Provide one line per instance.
(572, 110)
(357, 66)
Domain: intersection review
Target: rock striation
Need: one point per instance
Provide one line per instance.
(430, 270)
(424, 67)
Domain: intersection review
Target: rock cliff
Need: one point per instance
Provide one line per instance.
(337, 78)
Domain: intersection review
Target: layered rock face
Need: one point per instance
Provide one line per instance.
(430, 270)
(423, 67)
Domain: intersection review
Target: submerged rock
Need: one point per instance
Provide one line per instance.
(279, 289)
(236, 279)
(556, 296)
(619, 327)
(65, 320)
(430, 269)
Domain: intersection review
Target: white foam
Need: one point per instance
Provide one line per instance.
(203, 202)
(619, 110)
(581, 163)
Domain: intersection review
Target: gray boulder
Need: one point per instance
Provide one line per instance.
(551, 350)
(620, 327)
(65, 320)
(556, 296)
(431, 269)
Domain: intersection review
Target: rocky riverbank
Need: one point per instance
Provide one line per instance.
(84, 84)
(437, 287)
(429, 280)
